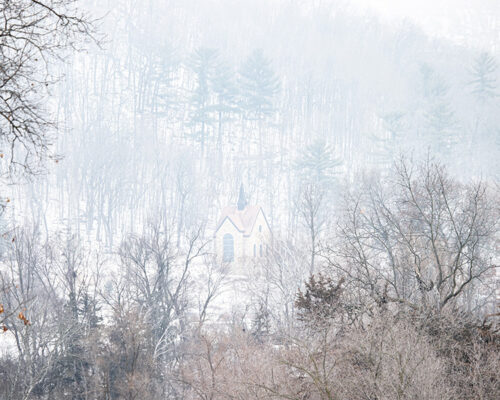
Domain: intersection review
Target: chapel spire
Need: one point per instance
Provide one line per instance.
(242, 200)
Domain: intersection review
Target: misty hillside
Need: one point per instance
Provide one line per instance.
(226, 94)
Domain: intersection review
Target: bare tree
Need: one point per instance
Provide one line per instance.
(419, 240)
(312, 208)
(212, 279)
(41, 330)
(33, 35)
(390, 359)
(158, 279)
(281, 272)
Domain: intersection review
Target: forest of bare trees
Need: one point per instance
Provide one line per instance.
(127, 126)
(404, 307)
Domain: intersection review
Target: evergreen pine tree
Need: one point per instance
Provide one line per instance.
(484, 84)
(224, 87)
(261, 323)
(439, 118)
(385, 147)
(318, 164)
(203, 63)
(259, 87)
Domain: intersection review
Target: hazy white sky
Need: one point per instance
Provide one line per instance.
(471, 22)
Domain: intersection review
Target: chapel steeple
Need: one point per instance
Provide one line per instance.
(242, 200)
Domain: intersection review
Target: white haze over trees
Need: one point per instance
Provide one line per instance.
(369, 133)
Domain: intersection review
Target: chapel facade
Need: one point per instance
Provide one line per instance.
(242, 233)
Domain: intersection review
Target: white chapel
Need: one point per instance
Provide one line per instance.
(242, 233)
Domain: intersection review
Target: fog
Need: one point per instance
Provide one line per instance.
(163, 99)
(171, 117)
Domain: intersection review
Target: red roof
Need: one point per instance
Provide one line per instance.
(243, 220)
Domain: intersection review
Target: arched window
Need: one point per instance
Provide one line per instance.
(260, 250)
(228, 247)
(254, 250)
(260, 228)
